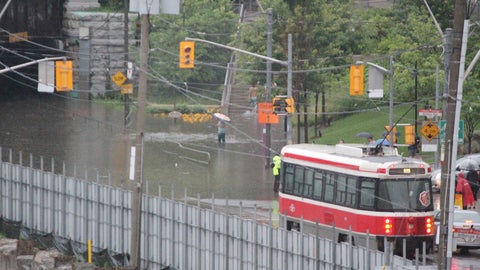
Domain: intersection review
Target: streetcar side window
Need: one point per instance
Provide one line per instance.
(308, 187)
(341, 189)
(298, 181)
(329, 187)
(346, 190)
(288, 178)
(318, 185)
(351, 199)
(367, 194)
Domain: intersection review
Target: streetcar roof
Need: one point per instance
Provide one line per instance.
(349, 156)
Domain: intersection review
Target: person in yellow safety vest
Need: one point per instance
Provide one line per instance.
(276, 165)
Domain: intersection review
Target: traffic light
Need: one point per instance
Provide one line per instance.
(409, 135)
(279, 105)
(392, 137)
(283, 105)
(356, 80)
(64, 75)
(290, 105)
(138, 33)
(187, 54)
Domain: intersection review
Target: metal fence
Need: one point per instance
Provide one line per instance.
(179, 234)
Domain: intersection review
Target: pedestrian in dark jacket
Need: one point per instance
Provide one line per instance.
(472, 178)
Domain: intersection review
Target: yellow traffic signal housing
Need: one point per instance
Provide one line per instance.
(409, 135)
(283, 105)
(187, 54)
(356, 80)
(64, 75)
(279, 105)
(392, 137)
(290, 105)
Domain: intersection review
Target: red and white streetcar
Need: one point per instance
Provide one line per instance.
(369, 190)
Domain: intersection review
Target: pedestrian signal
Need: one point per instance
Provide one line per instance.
(356, 80)
(187, 54)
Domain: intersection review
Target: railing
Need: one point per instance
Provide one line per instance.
(186, 234)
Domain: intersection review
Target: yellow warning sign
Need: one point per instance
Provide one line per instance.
(430, 130)
(119, 78)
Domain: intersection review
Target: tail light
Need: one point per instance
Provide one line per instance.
(429, 225)
(388, 226)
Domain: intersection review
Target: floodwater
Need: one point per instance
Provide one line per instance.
(186, 156)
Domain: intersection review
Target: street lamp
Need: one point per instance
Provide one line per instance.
(390, 73)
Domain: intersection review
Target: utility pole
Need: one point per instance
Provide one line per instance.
(444, 255)
(126, 97)
(415, 73)
(268, 126)
(137, 183)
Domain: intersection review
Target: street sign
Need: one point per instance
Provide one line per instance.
(430, 113)
(126, 88)
(460, 131)
(265, 113)
(119, 78)
(430, 130)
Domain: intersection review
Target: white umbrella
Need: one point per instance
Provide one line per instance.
(174, 114)
(222, 117)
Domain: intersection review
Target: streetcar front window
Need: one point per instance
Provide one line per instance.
(404, 195)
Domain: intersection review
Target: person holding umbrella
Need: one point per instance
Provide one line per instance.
(463, 187)
(221, 126)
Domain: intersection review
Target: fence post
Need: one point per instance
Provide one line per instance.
(386, 250)
(255, 238)
(416, 258)
(350, 241)
(64, 200)
(424, 253)
(271, 243)
(301, 233)
(317, 244)
(227, 234)
(367, 266)
(10, 175)
(51, 195)
(185, 231)
(42, 195)
(20, 190)
(334, 247)
(31, 199)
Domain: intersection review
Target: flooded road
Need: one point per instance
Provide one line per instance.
(177, 153)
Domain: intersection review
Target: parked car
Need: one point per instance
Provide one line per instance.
(463, 164)
(466, 229)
